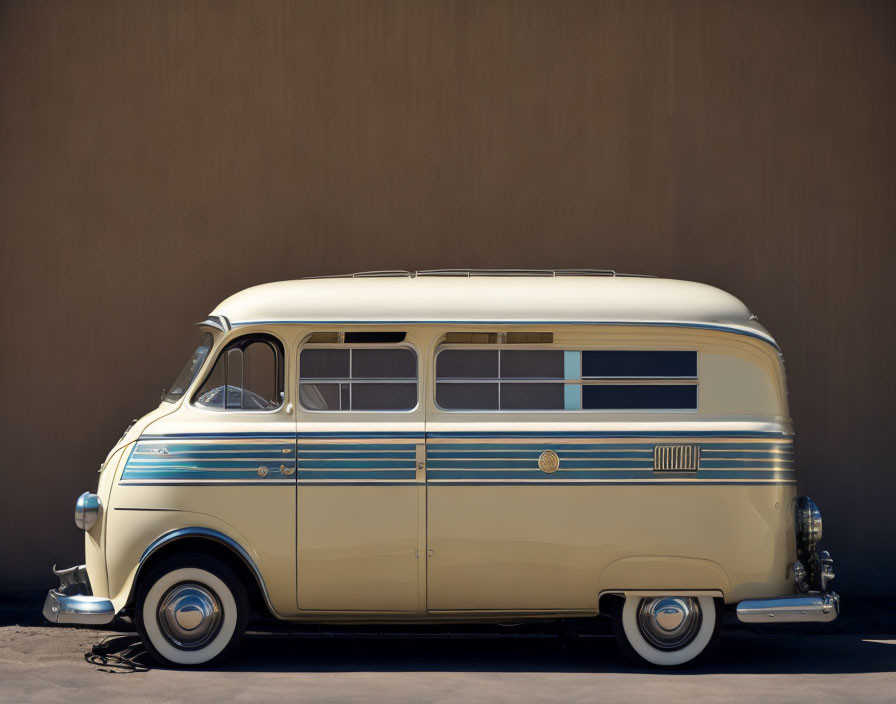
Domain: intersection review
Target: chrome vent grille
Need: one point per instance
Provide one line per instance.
(676, 458)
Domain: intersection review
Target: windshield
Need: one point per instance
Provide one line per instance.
(185, 378)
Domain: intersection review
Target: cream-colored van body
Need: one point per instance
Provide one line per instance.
(481, 510)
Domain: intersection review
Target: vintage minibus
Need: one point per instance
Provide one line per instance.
(459, 446)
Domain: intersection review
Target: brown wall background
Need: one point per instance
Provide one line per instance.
(156, 157)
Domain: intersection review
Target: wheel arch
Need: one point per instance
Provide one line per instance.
(662, 574)
(211, 542)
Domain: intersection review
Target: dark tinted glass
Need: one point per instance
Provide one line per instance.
(624, 363)
(467, 364)
(383, 397)
(371, 337)
(531, 364)
(324, 364)
(259, 373)
(467, 397)
(650, 397)
(531, 397)
(394, 363)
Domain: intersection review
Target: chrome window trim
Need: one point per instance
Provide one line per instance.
(220, 350)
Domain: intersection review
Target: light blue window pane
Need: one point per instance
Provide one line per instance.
(572, 369)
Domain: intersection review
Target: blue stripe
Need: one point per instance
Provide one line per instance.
(144, 447)
(356, 455)
(533, 464)
(189, 474)
(358, 476)
(539, 447)
(538, 474)
(561, 452)
(205, 465)
(316, 447)
(369, 464)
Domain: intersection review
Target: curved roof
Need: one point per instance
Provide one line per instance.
(491, 298)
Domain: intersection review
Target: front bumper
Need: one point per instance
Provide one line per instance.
(73, 601)
(800, 608)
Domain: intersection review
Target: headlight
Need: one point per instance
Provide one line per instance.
(87, 510)
(808, 523)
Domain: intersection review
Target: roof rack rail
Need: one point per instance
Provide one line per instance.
(401, 273)
(524, 272)
(384, 273)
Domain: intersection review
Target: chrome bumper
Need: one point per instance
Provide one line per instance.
(800, 608)
(73, 602)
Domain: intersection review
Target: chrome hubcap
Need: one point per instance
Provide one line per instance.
(668, 622)
(190, 615)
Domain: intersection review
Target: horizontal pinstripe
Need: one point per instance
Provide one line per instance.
(762, 460)
(456, 457)
(222, 459)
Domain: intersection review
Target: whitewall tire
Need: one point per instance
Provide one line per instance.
(667, 631)
(191, 611)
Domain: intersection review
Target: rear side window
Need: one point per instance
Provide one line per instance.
(648, 379)
(556, 379)
(247, 376)
(354, 378)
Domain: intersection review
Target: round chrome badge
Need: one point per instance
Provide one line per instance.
(548, 462)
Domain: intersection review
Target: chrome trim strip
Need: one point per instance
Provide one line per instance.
(78, 609)
(808, 608)
(218, 322)
(199, 532)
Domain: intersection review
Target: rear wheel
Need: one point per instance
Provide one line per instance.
(667, 631)
(191, 610)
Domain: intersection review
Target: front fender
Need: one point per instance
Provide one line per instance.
(136, 534)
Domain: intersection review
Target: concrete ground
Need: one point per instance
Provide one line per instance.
(46, 664)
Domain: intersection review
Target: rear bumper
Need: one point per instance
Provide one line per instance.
(73, 601)
(800, 608)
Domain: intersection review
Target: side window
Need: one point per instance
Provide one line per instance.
(501, 379)
(356, 378)
(247, 376)
(633, 380)
(545, 380)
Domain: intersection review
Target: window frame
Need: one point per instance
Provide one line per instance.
(581, 381)
(279, 348)
(404, 344)
(167, 398)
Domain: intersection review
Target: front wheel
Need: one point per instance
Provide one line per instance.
(667, 631)
(191, 610)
